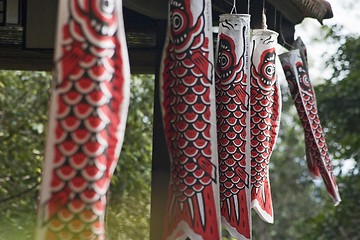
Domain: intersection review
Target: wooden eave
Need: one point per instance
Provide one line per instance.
(294, 10)
(142, 17)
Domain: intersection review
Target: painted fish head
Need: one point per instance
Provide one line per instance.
(96, 17)
(227, 66)
(186, 24)
(267, 69)
(304, 81)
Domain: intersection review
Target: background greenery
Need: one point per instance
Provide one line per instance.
(303, 210)
(23, 118)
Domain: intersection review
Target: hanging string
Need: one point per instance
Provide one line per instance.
(285, 44)
(263, 6)
(263, 22)
(234, 8)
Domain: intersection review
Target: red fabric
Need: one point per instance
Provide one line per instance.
(233, 123)
(188, 104)
(87, 118)
(303, 94)
(265, 119)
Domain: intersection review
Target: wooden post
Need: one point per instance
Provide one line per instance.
(160, 157)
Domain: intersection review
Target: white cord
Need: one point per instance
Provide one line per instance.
(234, 8)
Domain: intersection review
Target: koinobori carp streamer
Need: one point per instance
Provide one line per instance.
(88, 111)
(303, 94)
(233, 122)
(265, 108)
(188, 107)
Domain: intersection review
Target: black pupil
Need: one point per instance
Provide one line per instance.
(224, 60)
(177, 21)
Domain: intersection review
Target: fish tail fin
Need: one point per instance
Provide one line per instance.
(261, 201)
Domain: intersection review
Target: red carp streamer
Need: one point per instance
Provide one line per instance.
(233, 121)
(188, 107)
(87, 117)
(310, 160)
(265, 119)
(302, 92)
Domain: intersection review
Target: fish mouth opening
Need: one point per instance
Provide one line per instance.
(226, 74)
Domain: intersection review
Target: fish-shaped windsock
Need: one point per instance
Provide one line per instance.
(187, 93)
(265, 109)
(303, 94)
(309, 138)
(87, 116)
(233, 122)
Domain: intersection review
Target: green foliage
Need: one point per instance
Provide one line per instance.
(23, 116)
(134, 166)
(23, 101)
(337, 222)
(339, 109)
(340, 100)
(129, 211)
(339, 104)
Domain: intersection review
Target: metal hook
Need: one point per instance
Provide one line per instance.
(234, 8)
(285, 44)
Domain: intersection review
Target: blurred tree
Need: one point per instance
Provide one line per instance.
(23, 116)
(23, 107)
(129, 210)
(340, 98)
(339, 104)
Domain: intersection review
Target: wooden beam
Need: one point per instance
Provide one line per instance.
(40, 22)
(16, 58)
(160, 158)
(142, 61)
(289, 10)
(155, 9)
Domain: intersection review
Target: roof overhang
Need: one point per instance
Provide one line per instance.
(155, 9)
(30, 46)
(294, 10)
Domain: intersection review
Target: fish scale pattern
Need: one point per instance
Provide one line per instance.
(318, 157)
(265, 102)
(263, 129)
(187, 89)
(232, 111)
(310, 149)
(91, 103)
(190, 135)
